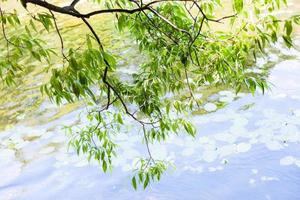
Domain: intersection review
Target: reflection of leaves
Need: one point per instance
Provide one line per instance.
(172, 53)
(221, 104)
(247, 106)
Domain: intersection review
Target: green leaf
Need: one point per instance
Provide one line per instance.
(288, 27)
(122, 22)
(104, 165)
(189, 129)
(296, 19)
(238, 5)
(146, 182)
(288, 41)
(133, 182)
(110, 59)
(119, 118)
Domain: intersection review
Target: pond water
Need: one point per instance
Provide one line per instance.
(249, 149)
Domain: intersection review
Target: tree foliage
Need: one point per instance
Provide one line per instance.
(186, 44)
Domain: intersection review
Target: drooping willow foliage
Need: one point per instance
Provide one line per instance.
(186, 44)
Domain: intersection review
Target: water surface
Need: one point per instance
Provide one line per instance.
(250, 149)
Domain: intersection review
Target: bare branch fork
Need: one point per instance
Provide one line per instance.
(73, 4)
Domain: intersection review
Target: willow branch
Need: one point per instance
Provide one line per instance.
(59, 35)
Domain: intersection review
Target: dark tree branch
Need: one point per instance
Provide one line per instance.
(60, 36)
(170, 23)
(71, 11)
(73, 4)
(107, 83)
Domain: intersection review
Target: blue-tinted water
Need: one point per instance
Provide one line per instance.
(248, 150)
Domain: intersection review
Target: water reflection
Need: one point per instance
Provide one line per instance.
(249, 150)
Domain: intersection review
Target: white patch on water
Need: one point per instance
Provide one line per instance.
(209, 155)
(47, 150)
(82, 163)
(193, 169)
(198, 95)
(188, 152)
(243, 147)
(251, 181)
(210, 107)
(226, 93)
(297, 163)
(273, 57)
(227, 150)
(288, 160)
(274, 145)
(254, 171)
(10, 168)
(226, 99)
(225, 137)
(269, 178)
